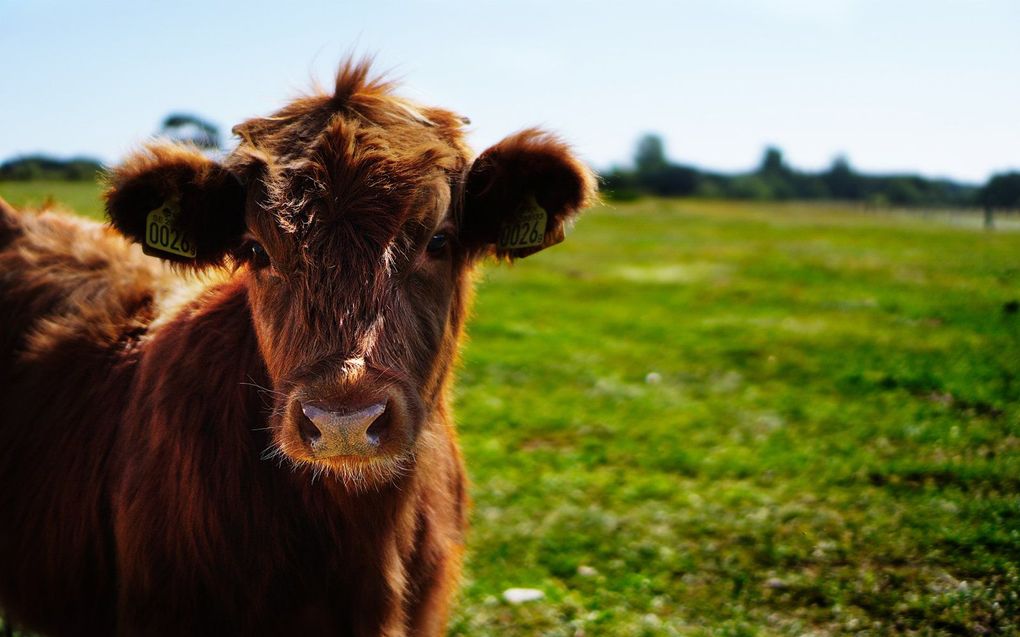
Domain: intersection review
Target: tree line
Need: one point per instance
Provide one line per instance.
(775, 180)
(32, 167)
(652, 174)
(181, 127)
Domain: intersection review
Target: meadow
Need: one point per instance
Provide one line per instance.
(719, 418)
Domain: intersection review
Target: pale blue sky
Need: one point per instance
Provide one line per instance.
(897, 85)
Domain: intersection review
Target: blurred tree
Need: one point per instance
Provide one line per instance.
(655, 174)
(192, 129)
(811, 186)
(650, 156)
(81, 169)
(670, 181)
(774, 179)
(904, 191)
(772, 164)
(620, 184)
(779, 180)
(1001, 191)
(31, 167)
(841, 180)
(750, 187)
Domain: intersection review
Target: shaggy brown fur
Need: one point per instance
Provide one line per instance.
(155, 472)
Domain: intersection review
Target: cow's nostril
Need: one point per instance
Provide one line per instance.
(378, 428)
(309, 432)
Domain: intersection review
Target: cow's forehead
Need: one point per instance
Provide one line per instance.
(356, 171)
(352, 182)
(353, 205)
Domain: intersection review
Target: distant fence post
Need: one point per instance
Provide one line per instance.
(989, 218)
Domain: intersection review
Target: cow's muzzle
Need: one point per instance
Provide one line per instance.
(344, 430)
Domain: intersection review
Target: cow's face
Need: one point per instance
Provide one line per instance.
(355, 224)
(356, 282)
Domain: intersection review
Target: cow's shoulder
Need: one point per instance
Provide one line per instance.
(66, 279)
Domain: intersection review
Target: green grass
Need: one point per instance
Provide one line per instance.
(748, 419)
(81, 197)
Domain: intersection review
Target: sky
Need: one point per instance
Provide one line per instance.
(895, 85)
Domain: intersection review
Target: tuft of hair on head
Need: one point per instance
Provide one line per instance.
(354, 78)
(358, 94)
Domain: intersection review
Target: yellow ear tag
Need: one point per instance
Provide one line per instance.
(163, 235)
(526, 229)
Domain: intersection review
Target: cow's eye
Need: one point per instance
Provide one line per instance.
(437, 243)
(258, 255)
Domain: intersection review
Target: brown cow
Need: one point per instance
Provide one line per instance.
(266, 448)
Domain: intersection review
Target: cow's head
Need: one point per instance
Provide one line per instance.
(355, 219)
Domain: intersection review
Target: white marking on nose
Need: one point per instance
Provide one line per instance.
(354, 369)
(371, 336)
(389, 260)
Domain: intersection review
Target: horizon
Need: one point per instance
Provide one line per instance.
(919, 88)
(599, 170)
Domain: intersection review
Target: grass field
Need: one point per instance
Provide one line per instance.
(711, 418)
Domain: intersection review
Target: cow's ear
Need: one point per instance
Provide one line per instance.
(179, 204)
(520, 193)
